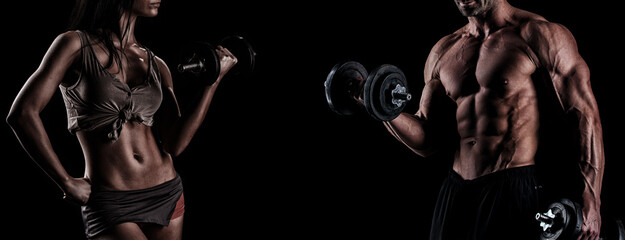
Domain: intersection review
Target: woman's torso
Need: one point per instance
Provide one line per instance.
(134, 161)
(112, 111)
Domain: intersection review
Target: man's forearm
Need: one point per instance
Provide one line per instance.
(592, 159)
(412, 131)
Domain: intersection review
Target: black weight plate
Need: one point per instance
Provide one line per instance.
(344, 81)
(244, 53)
(560, 222)
(377, 92)
(194, 52)
(576, 220)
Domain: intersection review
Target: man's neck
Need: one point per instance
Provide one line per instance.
(490, 21)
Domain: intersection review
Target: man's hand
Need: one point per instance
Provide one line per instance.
(592, 224)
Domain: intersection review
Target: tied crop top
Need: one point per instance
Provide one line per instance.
(99, 99)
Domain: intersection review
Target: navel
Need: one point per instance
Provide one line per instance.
(137, 157)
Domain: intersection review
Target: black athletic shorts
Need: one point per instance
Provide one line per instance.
(156, 205)
(500, 205)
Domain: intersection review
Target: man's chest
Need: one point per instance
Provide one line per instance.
(501, 63)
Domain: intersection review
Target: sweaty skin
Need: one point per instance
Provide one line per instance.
(484, 74)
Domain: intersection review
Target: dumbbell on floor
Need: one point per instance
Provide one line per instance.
(383, 93)
(198, 60)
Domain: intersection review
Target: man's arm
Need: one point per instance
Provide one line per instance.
(557, 52)
(424, 131)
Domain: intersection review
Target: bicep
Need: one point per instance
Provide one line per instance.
(434, 102)
(570, 75)
(169, 105)
(557, 52)
(574, 89)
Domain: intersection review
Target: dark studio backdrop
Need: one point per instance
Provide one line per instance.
(272, 160)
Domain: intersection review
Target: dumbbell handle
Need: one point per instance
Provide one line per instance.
(191, 67)
(544, 218)
(402, 96)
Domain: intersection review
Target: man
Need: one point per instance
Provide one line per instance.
(491, 76)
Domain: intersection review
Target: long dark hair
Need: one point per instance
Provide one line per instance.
(101, 18)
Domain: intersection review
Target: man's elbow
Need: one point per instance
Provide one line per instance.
(424, 152)
(431, 145)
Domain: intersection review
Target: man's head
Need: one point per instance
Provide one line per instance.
(470, 8)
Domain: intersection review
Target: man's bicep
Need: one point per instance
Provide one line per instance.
(557, 51)
(574, 89)
(434, 102)
(571, 76)
(554, 45)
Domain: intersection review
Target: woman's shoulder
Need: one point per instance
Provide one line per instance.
(160, 63)
(70, 37)
(69, 40)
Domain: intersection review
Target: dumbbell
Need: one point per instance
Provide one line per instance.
(383, 93)
(563, 220)
(198, 60)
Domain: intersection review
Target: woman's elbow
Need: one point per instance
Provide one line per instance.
(173, 148)
(176, 152)
(17, 117)
(11, 119)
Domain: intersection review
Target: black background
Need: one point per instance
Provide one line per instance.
(271, 159)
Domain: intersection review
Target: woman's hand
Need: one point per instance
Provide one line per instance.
(77, 190)
(226, 60)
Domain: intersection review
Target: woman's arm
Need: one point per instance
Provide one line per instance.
(176, 128)
(24, 116)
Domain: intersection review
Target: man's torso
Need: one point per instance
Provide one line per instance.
(490, 80)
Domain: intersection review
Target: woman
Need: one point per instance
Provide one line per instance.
(122, 108)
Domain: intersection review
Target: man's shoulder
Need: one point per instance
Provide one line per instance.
(542, 36)
(532, 25)
(522, 16)
(446, 41)
(538, 29)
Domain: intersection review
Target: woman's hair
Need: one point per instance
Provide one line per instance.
(101, 18)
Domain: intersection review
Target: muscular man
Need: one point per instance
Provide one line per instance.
(493, 70)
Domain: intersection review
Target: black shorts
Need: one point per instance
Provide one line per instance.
(156, 205)
(500, 205)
